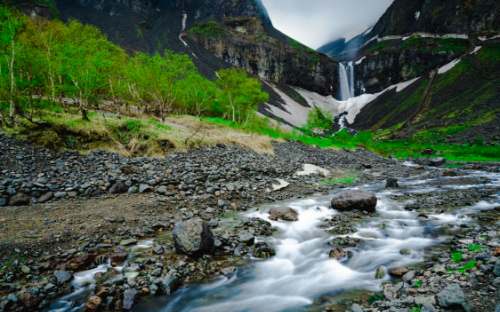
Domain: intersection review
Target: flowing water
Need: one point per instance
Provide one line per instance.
(346, 81)
(302, 271)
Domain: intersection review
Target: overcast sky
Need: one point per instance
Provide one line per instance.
(316, 22)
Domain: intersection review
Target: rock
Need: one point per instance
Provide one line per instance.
(380, 273)
(391, 183)
(20, 199)
(144, 188)
(246, 238)
(129, 298)
(337, 253)
(49, 287)
(405, 251)
(45, 197)
(450, 173)
(496, 269)
(356, 308)
(162, 190)
(354, 200)
(284, 214)
(426, 302)
(118, 257)
(263, 250)
(428, 151)
(3, 201)
(437, 162)
(193, 237)
(398, 271)
(452, 297)
(63, 277)
(158, 250)
(60, 194)
(93, 303)
(409, 276)
(25, 269)
(118, 188)
(128, 242)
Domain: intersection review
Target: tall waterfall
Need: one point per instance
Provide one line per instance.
(346, 81)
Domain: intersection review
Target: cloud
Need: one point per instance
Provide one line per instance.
(316, 22)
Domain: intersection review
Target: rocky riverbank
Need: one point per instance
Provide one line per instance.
(66, 213)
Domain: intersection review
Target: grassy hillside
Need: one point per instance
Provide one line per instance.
(459, 106)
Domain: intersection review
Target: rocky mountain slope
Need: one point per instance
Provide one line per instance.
(422, 41)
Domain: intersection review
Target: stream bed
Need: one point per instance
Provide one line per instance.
(302, 270)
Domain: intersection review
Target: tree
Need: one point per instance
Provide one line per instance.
(9, 27)
(243, 93)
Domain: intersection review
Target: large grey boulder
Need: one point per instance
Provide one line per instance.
(20, 199)
(452, 297)
(285, 214)
(193, 237)
(355, 200)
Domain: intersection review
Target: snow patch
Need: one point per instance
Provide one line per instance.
(476, 49)
(309, 169)
(417, 15)
(445, 68)
(403, 85)
(280, 185)
(483, 38)
(358, 62)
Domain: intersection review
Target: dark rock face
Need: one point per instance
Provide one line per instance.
(355, 200)
(391, 183)
(118, 188)
(193, 237)
(285, 214)
(453, 16)
(19, 199)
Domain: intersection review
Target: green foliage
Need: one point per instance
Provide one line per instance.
(456, 256)
(55, 60)
(416, 309)
(417, 283)
(242, 94)
(436, 45)
(474, 247)
(319, 119)
(347, 180)
(210, 29)
(376, 297)
(468, 266)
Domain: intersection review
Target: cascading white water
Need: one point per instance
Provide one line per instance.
(346, 80)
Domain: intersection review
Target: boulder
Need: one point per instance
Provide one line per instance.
(337, 253)
(391, 183)
(129, 296)
(398, 271)
(45, 197)
(354, 200)
(263, 250)
(20, 199)
(63, 277)
(118, 188)
(3, 201)
(452, 297)
(284, 214)
(437, 162)
(93, 303)
(193, 237)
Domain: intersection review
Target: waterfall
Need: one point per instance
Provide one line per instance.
(346, 81)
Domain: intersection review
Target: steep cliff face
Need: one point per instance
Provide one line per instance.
(439, 17)
(244, 42)
(245, 36)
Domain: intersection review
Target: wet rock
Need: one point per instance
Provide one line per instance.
(3, 201)
(193, 237)
(337, 253)
(263, 250)
(62, 277)
(284, 214)
(391, 183)
(246, 238)
(354, 200)
(20, 199)
(405, 251)
(428, 151)
(118, 188)
(93, 303)
(398, 272)
(129, 297)
(144, 188)
(118, 257)
(380, 273)
(437, 162)
(158, 250)
(45, 197)
(452, 297)
(409, 276)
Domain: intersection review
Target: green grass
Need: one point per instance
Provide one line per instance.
(401, 149)
(210, 29)
(347, 180)
(457, 256)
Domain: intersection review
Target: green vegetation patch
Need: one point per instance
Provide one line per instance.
(210, 29)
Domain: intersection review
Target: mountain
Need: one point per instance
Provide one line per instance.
(448, 52)
(214, 33)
